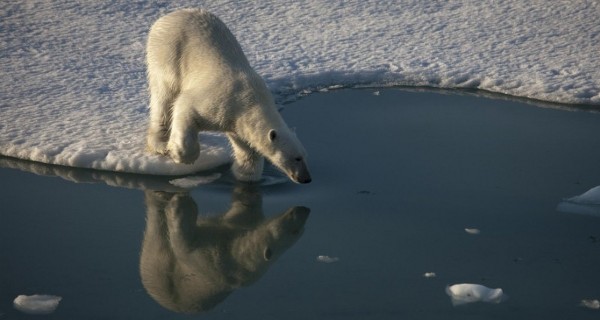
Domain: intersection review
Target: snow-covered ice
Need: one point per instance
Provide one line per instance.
(585, 203)
(590, 304)
(468, 293)
(37, 303)
(73, 88)
(473, 231)
(327, 259)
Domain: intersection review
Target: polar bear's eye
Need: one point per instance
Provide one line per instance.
(272, 135)
(267, 254)
(298, 159)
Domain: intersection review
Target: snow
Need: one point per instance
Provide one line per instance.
(590, 304)
(585, 203)
(73, 88)
(327, 259)
(464, 293)
(37, 303)
(473, 231)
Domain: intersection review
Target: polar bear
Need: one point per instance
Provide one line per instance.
(200, 80)
(190, 264)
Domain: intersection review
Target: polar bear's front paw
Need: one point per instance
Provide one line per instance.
(156, 144)
(188, 153)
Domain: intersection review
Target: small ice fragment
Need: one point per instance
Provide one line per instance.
(376, 93)
(590, 304)
(327, 259)
(586, 203)
(429, 275)
(468, 293)
(472, 231)
(37, 303)
(194, 181)
(591, 196)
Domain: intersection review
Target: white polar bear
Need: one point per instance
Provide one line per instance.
(200, 80)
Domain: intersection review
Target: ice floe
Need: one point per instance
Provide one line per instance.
(464, 293)
(73, 86)
(37, 303)
(586, 203)
(472, 231)
(327, 259)
(590, 304)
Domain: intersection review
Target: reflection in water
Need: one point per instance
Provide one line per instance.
(79, 175)
(190, 264)
(220, 175)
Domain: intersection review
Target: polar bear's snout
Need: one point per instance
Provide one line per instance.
(300, 173)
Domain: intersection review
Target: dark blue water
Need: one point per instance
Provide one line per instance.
(397, 177)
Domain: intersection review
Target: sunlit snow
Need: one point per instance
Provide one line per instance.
(73, 87)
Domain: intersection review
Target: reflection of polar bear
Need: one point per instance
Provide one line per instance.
(190, 265)
(200, 79)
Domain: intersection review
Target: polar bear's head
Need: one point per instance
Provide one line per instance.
(287, 153)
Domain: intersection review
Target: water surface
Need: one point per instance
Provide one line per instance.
(397, 178)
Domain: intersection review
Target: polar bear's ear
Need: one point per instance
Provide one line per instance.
(272, 135)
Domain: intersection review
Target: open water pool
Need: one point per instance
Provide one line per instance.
(413, 192)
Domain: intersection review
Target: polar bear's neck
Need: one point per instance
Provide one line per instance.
(258, 114)
(255, 123)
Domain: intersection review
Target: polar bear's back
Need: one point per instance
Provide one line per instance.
(192, 38)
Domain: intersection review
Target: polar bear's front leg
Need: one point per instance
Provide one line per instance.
(160, 118)
(183, 142)
(247, 163)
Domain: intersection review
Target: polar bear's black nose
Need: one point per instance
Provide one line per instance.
(299, 172)
(302, 178)
(306, 180)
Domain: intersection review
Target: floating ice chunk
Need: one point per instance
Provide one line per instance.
(591, 196)
(472, 231)
(468, 293)
(590, 304)
(194, 181)
(327, 259)
(37, 303)
(376, 93)
(586, 203)
(429, 275)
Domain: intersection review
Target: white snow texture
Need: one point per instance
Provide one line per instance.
(464, 293)
(37, 303)
(73, 88)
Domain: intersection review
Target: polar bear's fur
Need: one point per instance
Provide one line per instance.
(200, 80)
(191, 265)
